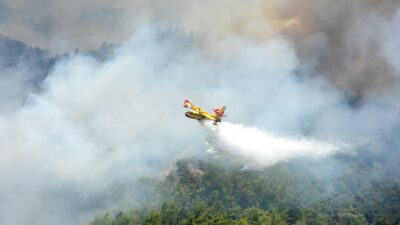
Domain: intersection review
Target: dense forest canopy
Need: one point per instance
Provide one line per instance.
(333, 191)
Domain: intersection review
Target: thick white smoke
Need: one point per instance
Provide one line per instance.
(80, 144)
(256, 149)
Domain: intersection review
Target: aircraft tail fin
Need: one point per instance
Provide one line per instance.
(187, 104)
(219, 113)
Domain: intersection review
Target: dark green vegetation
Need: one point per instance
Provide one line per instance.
(302, 193)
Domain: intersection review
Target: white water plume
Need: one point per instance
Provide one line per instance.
(256, 148)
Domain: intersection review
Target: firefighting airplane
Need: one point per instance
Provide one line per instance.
(197, 113)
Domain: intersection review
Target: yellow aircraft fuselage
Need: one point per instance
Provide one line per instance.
(197, 113)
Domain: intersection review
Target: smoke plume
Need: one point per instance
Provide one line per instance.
(77, 132)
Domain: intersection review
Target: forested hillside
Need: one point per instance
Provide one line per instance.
(199, 192)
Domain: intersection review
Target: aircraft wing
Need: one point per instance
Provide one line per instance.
(194, 108)
(208, 116)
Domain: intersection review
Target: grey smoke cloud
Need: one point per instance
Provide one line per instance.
(350, 42)
(97, 127)
(346, 43)
(79, 145)
(22, 70)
